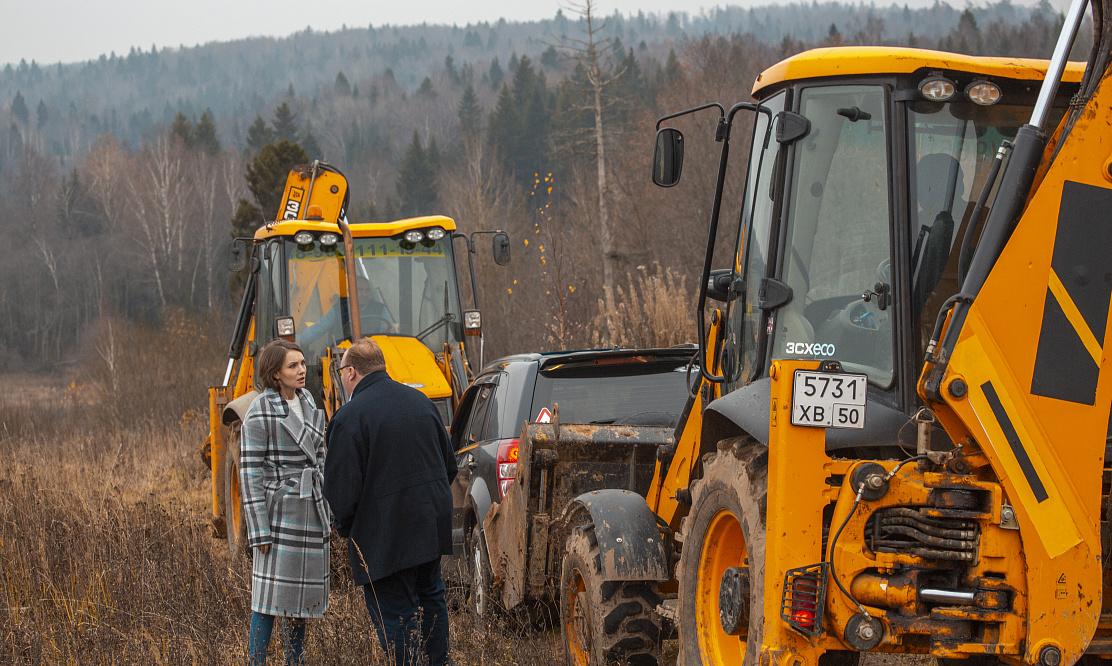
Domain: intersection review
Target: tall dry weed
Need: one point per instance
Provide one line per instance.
(655, 310)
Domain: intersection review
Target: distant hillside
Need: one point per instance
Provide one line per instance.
(65, 107)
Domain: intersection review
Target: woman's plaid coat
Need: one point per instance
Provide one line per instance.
(281, 473)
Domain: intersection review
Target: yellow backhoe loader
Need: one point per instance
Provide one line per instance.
(896, 443)
(317, 280)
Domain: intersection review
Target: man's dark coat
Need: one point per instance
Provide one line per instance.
(387, 478)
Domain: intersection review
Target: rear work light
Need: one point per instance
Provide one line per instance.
(805, 599)
(507, 465)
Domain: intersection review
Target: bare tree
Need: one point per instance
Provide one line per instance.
(595, 55)
(106, 166)
(478, 192)
(204, 174)
(158, 196)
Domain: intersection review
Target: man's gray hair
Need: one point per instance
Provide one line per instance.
(366, 357)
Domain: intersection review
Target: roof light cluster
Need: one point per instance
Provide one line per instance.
(327, 239)
(426, 237)
(940, 89)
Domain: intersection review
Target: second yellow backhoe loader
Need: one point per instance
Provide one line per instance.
(899, 442)
(315, 279)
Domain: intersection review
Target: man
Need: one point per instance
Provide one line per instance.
(373, 315)
(387, 478)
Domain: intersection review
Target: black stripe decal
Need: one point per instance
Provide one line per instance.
(1083, 251)
(1082, 260)
(1013, 440)
(1064, 368)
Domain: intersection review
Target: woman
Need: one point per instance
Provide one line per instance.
(288, 521)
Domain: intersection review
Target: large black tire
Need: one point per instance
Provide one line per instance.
(234, 520)
(604, 622)
(479, 602)
(725, 528)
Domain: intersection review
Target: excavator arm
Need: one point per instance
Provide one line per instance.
(1020, 379)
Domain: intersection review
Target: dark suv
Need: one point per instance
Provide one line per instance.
(620, 387)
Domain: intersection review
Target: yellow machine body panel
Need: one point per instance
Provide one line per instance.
(410, 362)
(1032, 358)
(862, 60)
(794, 520)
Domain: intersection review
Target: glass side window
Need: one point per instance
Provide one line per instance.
(838, 240)
(745, 318)
(478, 415)
(269, 292)
(952, 147)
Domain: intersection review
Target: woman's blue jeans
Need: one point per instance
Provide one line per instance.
(258, 638)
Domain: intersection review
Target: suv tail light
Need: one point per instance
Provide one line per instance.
(507, 465)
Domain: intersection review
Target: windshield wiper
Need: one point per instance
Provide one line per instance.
(448, 316)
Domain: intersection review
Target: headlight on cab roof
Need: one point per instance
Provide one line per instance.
(984, 93)
(436, 233)
(414, 236)
(327, 240)
(937, 88)
(303, 238)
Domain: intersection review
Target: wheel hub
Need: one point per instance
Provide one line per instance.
(733, 600)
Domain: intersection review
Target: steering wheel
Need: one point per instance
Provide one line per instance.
(884, 271)
(387, 325)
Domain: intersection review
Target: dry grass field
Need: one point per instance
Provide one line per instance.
(106, 550)
(107, 557)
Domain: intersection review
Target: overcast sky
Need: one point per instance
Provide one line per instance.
(50, 31)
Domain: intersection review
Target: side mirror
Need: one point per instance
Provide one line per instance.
(720, 285)
(501, 248)
(237, 255)
(668, 157)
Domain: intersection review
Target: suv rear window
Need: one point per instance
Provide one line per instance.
(636, 390)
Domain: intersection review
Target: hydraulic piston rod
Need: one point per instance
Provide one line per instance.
(946, 596)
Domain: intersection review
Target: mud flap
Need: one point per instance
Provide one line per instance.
(506, 532)
(631, 544)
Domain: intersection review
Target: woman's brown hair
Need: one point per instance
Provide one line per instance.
(270, 362)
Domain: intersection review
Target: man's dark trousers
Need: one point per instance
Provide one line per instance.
(396, 601)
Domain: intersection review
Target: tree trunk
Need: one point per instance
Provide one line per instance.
(603, 215)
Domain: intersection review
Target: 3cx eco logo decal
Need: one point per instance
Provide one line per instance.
(810, 349)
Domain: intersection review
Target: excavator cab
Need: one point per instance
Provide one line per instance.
(405, 289)
(860, 194)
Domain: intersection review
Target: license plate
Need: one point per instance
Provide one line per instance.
(828, 400)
